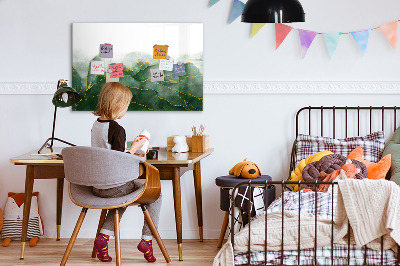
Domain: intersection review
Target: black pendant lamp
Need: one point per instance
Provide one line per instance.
(273, 11)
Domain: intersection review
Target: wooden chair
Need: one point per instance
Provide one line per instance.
(85, 167)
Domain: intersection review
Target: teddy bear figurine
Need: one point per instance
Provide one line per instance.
(180, 144)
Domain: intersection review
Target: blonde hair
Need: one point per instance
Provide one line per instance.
(112, 99)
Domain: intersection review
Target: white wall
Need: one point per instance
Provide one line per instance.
(35, 43)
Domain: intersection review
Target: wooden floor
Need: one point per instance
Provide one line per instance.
(50, 252)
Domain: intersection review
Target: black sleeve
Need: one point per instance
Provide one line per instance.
(116, 136)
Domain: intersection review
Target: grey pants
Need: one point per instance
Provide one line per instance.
(154, 208)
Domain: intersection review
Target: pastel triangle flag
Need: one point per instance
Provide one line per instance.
(256, 28)
(237, 9)
(281, 31)
(213, 2)
(332, 41)
(306, 39)
(389, 30)
(361, 37)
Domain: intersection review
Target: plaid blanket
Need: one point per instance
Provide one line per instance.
(245, 205)
(324, 257)
(323, 205)
(250, 201)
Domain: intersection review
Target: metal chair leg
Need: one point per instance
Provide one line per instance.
(101, 222)
(154, 230)
(117, 238)
(73, 237)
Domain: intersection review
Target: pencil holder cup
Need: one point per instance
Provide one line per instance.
(200, 143)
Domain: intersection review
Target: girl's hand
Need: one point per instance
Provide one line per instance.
(137, 144)
(142, 155)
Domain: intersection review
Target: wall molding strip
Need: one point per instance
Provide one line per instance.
(303, 87)
(28, 88)
(251, 87)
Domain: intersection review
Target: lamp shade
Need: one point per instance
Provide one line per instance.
(65, 96)
(273, 11)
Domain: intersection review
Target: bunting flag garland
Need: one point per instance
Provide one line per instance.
(332, 41)
(256, 28)
(389, 30)
(361, 37)
(306, 39)
(281, 31)
(237, 9)
(213, 2)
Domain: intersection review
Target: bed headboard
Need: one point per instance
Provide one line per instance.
(344, 121)
(344, 118)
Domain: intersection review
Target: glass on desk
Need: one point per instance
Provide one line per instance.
(152, 155)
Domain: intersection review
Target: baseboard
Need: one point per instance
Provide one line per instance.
(247, 87)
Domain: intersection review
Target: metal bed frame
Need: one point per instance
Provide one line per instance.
(283, 184)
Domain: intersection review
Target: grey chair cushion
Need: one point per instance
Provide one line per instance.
(83, 195)
(99, 167)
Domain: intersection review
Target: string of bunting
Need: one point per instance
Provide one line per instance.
(361, 37)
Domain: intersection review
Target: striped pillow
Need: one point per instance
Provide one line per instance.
(372, 145)
(13, 228)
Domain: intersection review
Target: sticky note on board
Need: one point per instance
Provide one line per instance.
(97, 68)
(106, 50)
(166, 64)
(156, 75)
(117, 70)
(179, 70)
(160, 51)
(110, 79)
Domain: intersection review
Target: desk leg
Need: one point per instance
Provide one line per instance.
(60, 190)
(176, 182)
(27, 206)
(199, 204)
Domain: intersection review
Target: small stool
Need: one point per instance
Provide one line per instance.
(226, 183)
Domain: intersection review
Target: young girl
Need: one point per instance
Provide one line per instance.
(113, 103)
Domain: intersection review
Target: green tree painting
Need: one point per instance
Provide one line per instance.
(173, 94)
(133, 46)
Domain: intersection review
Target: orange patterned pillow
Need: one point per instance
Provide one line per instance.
(375, 170)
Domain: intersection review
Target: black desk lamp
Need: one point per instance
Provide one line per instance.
(273, 11)
(64, 97)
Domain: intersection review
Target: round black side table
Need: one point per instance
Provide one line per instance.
(228, 182)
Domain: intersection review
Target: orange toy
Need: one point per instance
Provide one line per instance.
(245, 169)
(375, 170)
